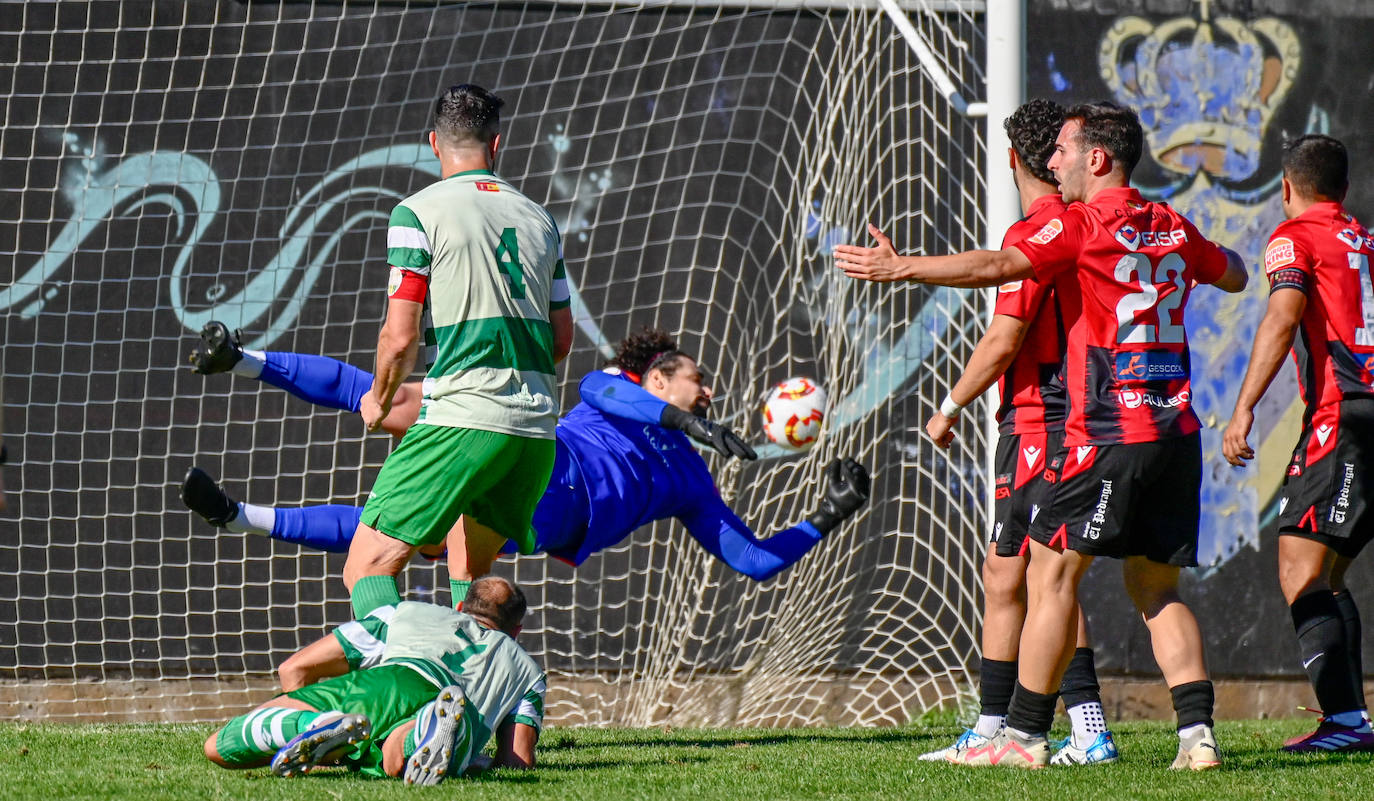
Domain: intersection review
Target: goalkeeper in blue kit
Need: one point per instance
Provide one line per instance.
(622, 460)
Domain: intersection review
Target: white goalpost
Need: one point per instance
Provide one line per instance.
(236, 161)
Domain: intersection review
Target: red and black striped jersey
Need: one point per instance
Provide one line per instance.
(1127, 267)
(1325, 253)
(1032, 388)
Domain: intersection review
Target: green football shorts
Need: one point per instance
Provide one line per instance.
(388, 694)
(439, 473)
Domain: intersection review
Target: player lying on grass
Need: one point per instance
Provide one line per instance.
(412, 688)
(1023, 349)
(1319, 306)
(621, 460)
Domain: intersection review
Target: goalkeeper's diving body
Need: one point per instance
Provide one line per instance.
(410, 688)
(622, 460)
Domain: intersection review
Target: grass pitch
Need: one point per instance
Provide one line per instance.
(154, 762)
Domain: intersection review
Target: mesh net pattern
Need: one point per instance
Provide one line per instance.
(168, 164)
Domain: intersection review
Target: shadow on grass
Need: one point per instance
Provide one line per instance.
(738, 739)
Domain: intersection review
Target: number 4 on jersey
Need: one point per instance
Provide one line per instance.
(508, 256)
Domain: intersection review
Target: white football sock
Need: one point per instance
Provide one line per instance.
(1189, 731)
(1088, 722)
(250, 366)
(253, 519)
(989, 725)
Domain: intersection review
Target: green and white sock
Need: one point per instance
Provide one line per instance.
(374, 592)
(246, 739)
(459, 591)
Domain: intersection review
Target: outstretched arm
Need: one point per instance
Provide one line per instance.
(727, 538)
(971, 269)
(1272, 342)
(619, 397)
(995, 351)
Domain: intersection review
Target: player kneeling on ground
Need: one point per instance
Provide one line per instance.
(411, 688)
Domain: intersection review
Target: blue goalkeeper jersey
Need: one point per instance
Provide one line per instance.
(617, 469)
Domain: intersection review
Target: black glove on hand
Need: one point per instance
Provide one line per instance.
(848, 490)
(725, 441)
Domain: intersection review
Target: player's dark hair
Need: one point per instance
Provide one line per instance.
(1317, 166)
(467, 115)
(648, 349)
(1115, 129)
(1032, 129)
(498, 601)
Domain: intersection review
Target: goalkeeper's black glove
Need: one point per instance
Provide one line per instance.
(848, 490)
(725, 441)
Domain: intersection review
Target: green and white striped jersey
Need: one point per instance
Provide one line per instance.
(503, 684)
(495, 265)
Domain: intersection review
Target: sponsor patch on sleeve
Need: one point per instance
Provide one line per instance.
(1009, 287)
(1046, 235)
(1280, 253)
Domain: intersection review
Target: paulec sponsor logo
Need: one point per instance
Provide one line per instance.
(1134, 399)
(1032, 455)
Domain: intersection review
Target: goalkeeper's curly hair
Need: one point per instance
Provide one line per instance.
(1032, 129)
(647, 349)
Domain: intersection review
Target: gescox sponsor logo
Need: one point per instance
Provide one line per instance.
(1150, 365)
(1338, 510)
(1093, 528)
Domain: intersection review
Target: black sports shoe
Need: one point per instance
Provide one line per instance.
(203, 496)
(220, 351)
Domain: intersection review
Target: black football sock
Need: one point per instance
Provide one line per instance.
(996, 683)
(1321, 640)
(1193, 703)
(1350, 619)
(1031, 713)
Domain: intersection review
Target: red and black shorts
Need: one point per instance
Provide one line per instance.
(1021, 490)
(1325, 496)
(1126, 500)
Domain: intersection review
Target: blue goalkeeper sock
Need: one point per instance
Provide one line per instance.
(324, 528)
(317, 379)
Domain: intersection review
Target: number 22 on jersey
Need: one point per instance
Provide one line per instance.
(1143, 316)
